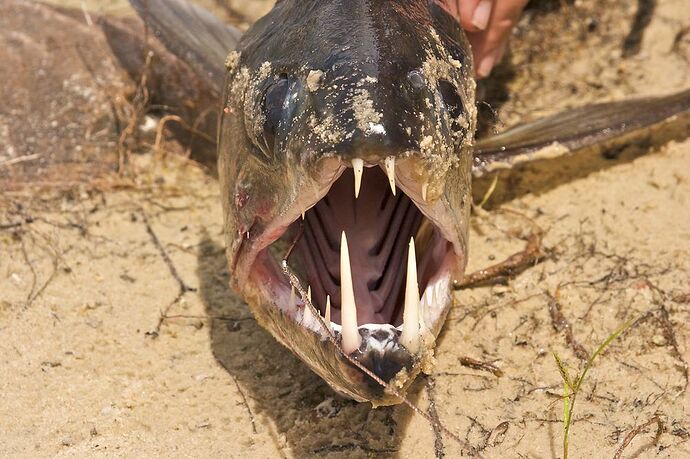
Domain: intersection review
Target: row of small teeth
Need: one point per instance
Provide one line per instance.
(389, 162)
(413, 320)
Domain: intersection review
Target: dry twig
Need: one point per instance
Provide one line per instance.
(561, 324)
(635, 431)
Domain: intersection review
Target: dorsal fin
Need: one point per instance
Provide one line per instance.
(193, 34)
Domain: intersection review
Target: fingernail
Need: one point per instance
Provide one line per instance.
(480, 18)
(486, 65)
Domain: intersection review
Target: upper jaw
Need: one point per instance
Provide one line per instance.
(410, 174)
(304, 195)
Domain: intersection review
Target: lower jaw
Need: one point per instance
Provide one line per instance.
(327, 359)
(266, 291)
(269, 285)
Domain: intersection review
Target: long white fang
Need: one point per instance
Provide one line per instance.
(328, 311)
(348, 310)
(358, 166)
(390, 171)
(410, 332)
(425, 188)
(309, 293)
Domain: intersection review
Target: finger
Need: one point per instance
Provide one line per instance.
(489, 46)
(506, 14)
(489, 61)
(474, 14)
(480, 16)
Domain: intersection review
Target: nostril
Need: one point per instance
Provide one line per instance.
(451, 99)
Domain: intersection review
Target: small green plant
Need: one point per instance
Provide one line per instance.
(571, 387)
(488, 193)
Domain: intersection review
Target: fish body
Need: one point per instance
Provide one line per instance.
(346, 155)
(382, 82)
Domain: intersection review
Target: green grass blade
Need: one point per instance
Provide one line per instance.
(571, 388)
(600, 349)
(566, 418)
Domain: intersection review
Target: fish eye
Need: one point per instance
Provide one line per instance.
(416, 79)
(272, 107)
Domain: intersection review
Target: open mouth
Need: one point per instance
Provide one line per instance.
(372, 253)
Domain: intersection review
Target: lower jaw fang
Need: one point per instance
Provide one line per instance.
(318, 263)
(410, 332)
(416, 313)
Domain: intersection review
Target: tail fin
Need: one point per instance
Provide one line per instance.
(191, 33)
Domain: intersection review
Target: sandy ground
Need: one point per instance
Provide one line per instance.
(119, 336)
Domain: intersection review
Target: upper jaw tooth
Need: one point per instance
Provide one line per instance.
(358, 166)
(410, 329)
(351, 338)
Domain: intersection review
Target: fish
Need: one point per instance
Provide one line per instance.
(346, 155)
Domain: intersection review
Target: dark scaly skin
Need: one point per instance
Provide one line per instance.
(365, 49)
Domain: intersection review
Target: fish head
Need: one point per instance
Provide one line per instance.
(345, 155)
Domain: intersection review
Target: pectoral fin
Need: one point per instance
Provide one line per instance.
(603, 125)
(193, 34)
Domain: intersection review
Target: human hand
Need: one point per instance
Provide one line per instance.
(488, 24)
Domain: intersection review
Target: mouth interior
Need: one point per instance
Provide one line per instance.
(378, 226)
